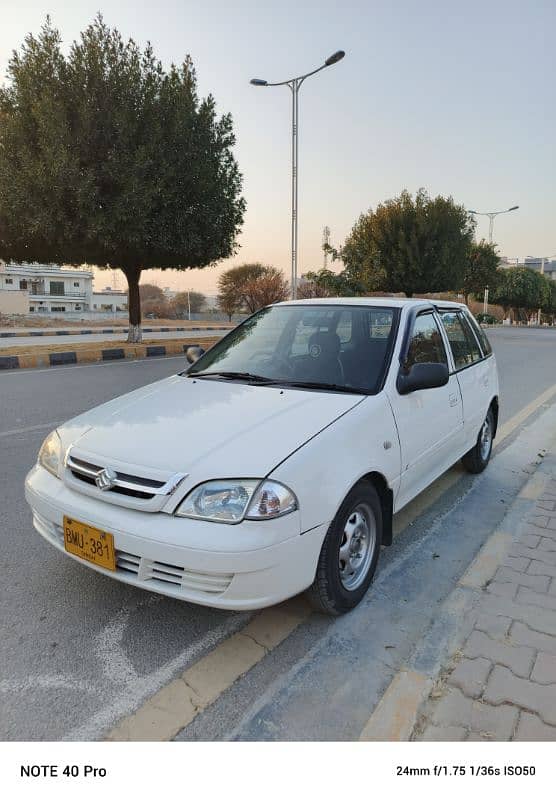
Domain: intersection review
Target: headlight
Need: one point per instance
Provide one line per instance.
(233, 500)
(50, 454)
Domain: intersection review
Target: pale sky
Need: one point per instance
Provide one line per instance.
(455, 97)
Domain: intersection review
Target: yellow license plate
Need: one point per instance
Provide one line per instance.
(90, 544)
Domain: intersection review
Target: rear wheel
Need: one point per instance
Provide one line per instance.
(349, 553)
(478, 457)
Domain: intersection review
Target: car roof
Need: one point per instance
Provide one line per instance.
(378, 302)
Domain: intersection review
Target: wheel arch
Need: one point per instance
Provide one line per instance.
(494, 405)
(386, 501)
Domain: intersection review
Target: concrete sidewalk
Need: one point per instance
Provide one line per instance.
(500, 682)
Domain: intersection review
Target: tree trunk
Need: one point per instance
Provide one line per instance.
(135, 335)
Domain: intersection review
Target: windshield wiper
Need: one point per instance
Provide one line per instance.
(335, 387)
(248, 376)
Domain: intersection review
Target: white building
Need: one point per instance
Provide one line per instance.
(50, 288)
(546, 266)
(109, 300)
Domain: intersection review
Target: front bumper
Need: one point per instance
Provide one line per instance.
(155, 552)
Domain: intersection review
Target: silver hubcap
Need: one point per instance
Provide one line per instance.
(485, 440)
(357, 546)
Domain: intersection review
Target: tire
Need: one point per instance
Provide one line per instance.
(340, 584)
(478, 457)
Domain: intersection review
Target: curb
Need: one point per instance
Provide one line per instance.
(88, 331)
(129, 352)
(396, 716)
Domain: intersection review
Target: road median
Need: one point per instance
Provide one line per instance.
(31, 357)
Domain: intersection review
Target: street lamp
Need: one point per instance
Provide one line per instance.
(295, 84)
(491, 215)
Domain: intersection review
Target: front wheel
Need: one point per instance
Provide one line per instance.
(349, 553)
(476, 459)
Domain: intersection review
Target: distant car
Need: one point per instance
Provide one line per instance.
(274, 462)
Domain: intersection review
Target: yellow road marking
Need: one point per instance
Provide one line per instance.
(177, 704)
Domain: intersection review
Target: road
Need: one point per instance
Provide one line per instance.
(68, 339)
(79, 651)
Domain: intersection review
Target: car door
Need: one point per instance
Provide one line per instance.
(429, 421)
(471, 368)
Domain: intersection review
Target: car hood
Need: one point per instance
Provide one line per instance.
(206, 428)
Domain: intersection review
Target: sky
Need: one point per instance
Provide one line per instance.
(454, 97)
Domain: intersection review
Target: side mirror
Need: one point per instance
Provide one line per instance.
(194, 353)
(422, 376)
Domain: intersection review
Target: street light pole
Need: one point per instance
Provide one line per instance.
(491, 215)
(294, 85)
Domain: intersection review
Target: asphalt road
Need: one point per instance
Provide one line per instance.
(69, 339)
(79, 650)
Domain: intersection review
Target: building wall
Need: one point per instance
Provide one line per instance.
(109, 301)
(14, 302)
(51, 289)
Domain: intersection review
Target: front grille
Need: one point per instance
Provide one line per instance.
(117, 483)
(130, 485)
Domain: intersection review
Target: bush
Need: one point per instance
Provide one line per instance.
(486, 319)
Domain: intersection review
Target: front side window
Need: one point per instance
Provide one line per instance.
(426, 345)
(322, 345)
(463, 344)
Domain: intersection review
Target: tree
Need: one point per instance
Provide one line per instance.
(310, 287)
(410, 245)
(183, 302)
(481, 269)
(108, 159)
(326, 283)
(250, 287)
(520, 289)
(270, 287)
(149, 291)
(227, 304)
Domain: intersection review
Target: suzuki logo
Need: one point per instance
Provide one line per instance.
(106, 479)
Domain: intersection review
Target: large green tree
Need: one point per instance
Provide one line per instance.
(409, 244)
(481, 269)
(521, 289)
(108, 159)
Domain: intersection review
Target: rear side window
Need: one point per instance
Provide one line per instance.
(463, 344)
(480, 334)
(426, 343)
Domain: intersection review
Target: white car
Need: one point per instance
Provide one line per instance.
(275, 462)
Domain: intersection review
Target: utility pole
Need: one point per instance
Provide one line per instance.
(325, 244)
(491, 215)
(294, 84)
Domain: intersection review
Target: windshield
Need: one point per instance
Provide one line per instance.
(340, 347)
